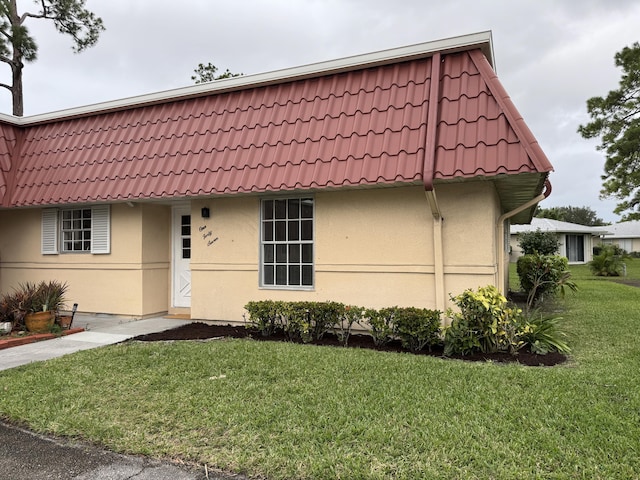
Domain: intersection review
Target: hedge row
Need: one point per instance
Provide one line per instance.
(416, 328)
(485, 322)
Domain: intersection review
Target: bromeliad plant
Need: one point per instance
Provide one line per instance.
(543, 334)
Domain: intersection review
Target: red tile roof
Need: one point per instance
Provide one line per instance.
(362, 127)
(480, 132)
(7, 144)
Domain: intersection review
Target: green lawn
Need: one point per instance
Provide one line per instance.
(293, 411)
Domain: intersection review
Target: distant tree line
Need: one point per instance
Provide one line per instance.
(579, 215)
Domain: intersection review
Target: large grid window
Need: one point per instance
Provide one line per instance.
(287, 242)
(76, 230)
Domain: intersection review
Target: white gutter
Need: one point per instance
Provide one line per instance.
(502, 264)
(482, 40)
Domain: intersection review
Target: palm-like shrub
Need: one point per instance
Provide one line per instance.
(609, 262)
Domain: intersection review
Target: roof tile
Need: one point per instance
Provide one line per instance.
(361, 127)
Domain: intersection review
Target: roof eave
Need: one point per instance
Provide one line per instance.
(480, 40)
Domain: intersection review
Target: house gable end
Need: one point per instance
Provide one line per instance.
(480, 133)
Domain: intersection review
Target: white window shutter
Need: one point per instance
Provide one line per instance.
(49, 231)
(100, 230)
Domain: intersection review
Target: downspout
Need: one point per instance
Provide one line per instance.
(428, 169)
(502, 264)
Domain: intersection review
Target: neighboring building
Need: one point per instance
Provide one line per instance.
(625, 234)
(382, 179)
(576, 241)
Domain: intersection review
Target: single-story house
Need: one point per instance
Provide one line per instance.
(383, 179)
(624, 234)
(576, 241)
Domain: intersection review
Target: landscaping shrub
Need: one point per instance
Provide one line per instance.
(416, 327)
(309, 321)
(351, 315)
(296, 321)
(380, 325)
(544, 243)
(542, 275)
(485, 323)
(323, 317)
(265, 316)
(609, 262)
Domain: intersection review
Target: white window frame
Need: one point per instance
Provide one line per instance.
(52, 242)
(270, 260)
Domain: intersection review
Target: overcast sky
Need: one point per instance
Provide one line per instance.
(551, 55)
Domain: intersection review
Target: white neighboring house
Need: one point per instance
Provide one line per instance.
(576, 241)
(625, 234)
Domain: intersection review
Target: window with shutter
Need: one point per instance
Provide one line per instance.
(77, 230)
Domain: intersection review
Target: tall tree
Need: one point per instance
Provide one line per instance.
(579, 215)
(207, 73)
(17, 46)
(616, 120)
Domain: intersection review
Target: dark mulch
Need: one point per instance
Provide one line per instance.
(204, 331)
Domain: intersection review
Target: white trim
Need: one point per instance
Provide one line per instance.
(312, 242)
(482, 40)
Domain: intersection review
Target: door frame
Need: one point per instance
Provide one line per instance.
(177, 211)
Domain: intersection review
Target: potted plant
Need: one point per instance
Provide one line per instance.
(12, 306)
(41, 304)
(6, 314)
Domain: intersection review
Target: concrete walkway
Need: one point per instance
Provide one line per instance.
(100, 331)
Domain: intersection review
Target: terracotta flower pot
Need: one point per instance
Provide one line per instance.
(39, 322)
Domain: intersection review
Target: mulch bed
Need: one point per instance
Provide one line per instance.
(204, 331)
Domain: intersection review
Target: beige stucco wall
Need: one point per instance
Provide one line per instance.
(373, 248)
(132, 280)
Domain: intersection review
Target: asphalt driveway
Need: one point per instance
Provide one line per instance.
(27, 456)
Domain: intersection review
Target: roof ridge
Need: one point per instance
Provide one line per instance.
(480, 40)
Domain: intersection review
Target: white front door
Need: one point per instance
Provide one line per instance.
(181, 256)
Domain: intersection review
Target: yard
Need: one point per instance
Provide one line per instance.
(289, 411)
